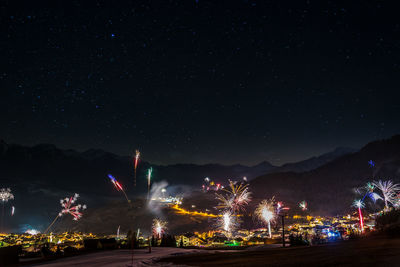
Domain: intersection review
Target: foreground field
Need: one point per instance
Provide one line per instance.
(375, 251)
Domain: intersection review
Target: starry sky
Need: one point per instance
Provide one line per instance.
(200, 81)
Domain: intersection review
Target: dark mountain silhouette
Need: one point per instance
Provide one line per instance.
(315, 162)
(329, 188)
(40, 175)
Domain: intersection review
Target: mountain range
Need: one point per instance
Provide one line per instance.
(40, 175)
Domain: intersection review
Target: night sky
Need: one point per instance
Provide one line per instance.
(200, 81)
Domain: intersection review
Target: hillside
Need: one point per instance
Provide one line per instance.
(329, 188)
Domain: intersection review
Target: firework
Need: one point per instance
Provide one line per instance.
(6, 195)
(149, 172)
(303, 205)
(371, 163)
(137, 156)
(360, 204)
(389, 191)
(227, 221)
(68, 207)
(207, 180)
(12, 210)
(159, 227)
(236, 198)
(118, 186)
(368, 192)
(265, 213)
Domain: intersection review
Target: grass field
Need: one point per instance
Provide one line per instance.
(372, 251)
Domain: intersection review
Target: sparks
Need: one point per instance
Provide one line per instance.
(6, 195)
(159, 227)
(389, 191)
(68, 207)
(265, 213)
(303, 205)
(227, 221)
(236, 198)
(359, 204)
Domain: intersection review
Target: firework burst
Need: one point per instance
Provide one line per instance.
(265, 212)
(159, 227)
(303, 205)
(6, 195)
(236, 198)
(68, 206)
(389, 191)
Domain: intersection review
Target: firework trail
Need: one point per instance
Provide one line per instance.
(236, 197)
(118, 186)
(303, 205)
(360, 204)
(149, 172)
(68, 207)
(137, 156)
(265, 212)
(159, 227)
(12, 210)
(389, 191)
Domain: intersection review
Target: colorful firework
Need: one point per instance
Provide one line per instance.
(371, 163)
(159, 227)
(149, 172)
(389, 191)
(68, 207)
(368, 192)
(118, 186)
(6, 195)
(280, 207)
(303, 205)
(136, 161)
(265, 212)
(360, 204)
(238, 195)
